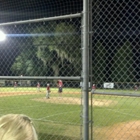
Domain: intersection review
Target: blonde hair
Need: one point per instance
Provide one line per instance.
(17, 127)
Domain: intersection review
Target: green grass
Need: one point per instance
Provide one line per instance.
(62, 121)
(51, 119)
(126, 109)
(118, 90)
(32, 89)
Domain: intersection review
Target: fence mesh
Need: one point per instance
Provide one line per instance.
(116, 64)
(43, 49)
(30, 9)
(53, 48)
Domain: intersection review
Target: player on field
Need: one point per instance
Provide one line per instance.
(60, 87)
(136, 87)
(93, 88)
(38, 86)
(15, 85)
(48, 91)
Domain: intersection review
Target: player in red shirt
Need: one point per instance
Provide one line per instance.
(60, 87)
(48, 91)
(93, 88)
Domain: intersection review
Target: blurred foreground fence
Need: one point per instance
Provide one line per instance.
(37, 53)
(116, 69)
(96, 44)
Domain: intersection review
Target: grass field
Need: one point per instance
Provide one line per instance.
(61, 120)
(52, 120)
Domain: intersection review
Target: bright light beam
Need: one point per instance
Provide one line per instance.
(2, 36)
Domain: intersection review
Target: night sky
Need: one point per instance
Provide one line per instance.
(13, 10)
(113, 22)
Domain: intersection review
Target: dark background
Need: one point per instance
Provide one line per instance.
(114, 22)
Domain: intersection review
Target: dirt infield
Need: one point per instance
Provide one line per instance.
(73, 100)
(122, 131)
(3, 94)
(62, 100)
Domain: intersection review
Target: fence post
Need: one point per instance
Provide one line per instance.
(90, 66)
(85, 69)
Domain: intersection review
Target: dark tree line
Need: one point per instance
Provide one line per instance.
(122, 64)
(54, 49)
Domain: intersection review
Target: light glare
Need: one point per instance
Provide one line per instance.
(2, 36)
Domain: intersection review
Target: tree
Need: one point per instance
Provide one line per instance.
(22, 65)
(122, 68)
(68, 47)
(44, 44)
(54, 49)
(59, 47)
(99, 63)
(26, 63)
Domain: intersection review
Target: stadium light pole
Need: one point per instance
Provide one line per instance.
(2, 36)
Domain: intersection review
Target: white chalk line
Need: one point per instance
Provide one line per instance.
(56, 114)
(44, 119)
(127, 114)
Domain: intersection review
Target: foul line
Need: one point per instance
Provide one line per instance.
(123, 113)
(55, 115)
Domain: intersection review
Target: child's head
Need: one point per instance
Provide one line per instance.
(17, 127)
(48, 84)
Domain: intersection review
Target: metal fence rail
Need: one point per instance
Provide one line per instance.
(115, 68)
(37, 53)
(90, 60)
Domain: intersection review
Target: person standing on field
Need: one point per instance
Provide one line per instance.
(15, 85)
(136, 87)
(93, 88)
(38, 86)
(60, 87)
(48, 91)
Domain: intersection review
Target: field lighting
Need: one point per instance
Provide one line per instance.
(2, 36)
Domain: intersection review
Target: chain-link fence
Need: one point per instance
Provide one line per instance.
(116, 69)
(40, 75)
(44, 73)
